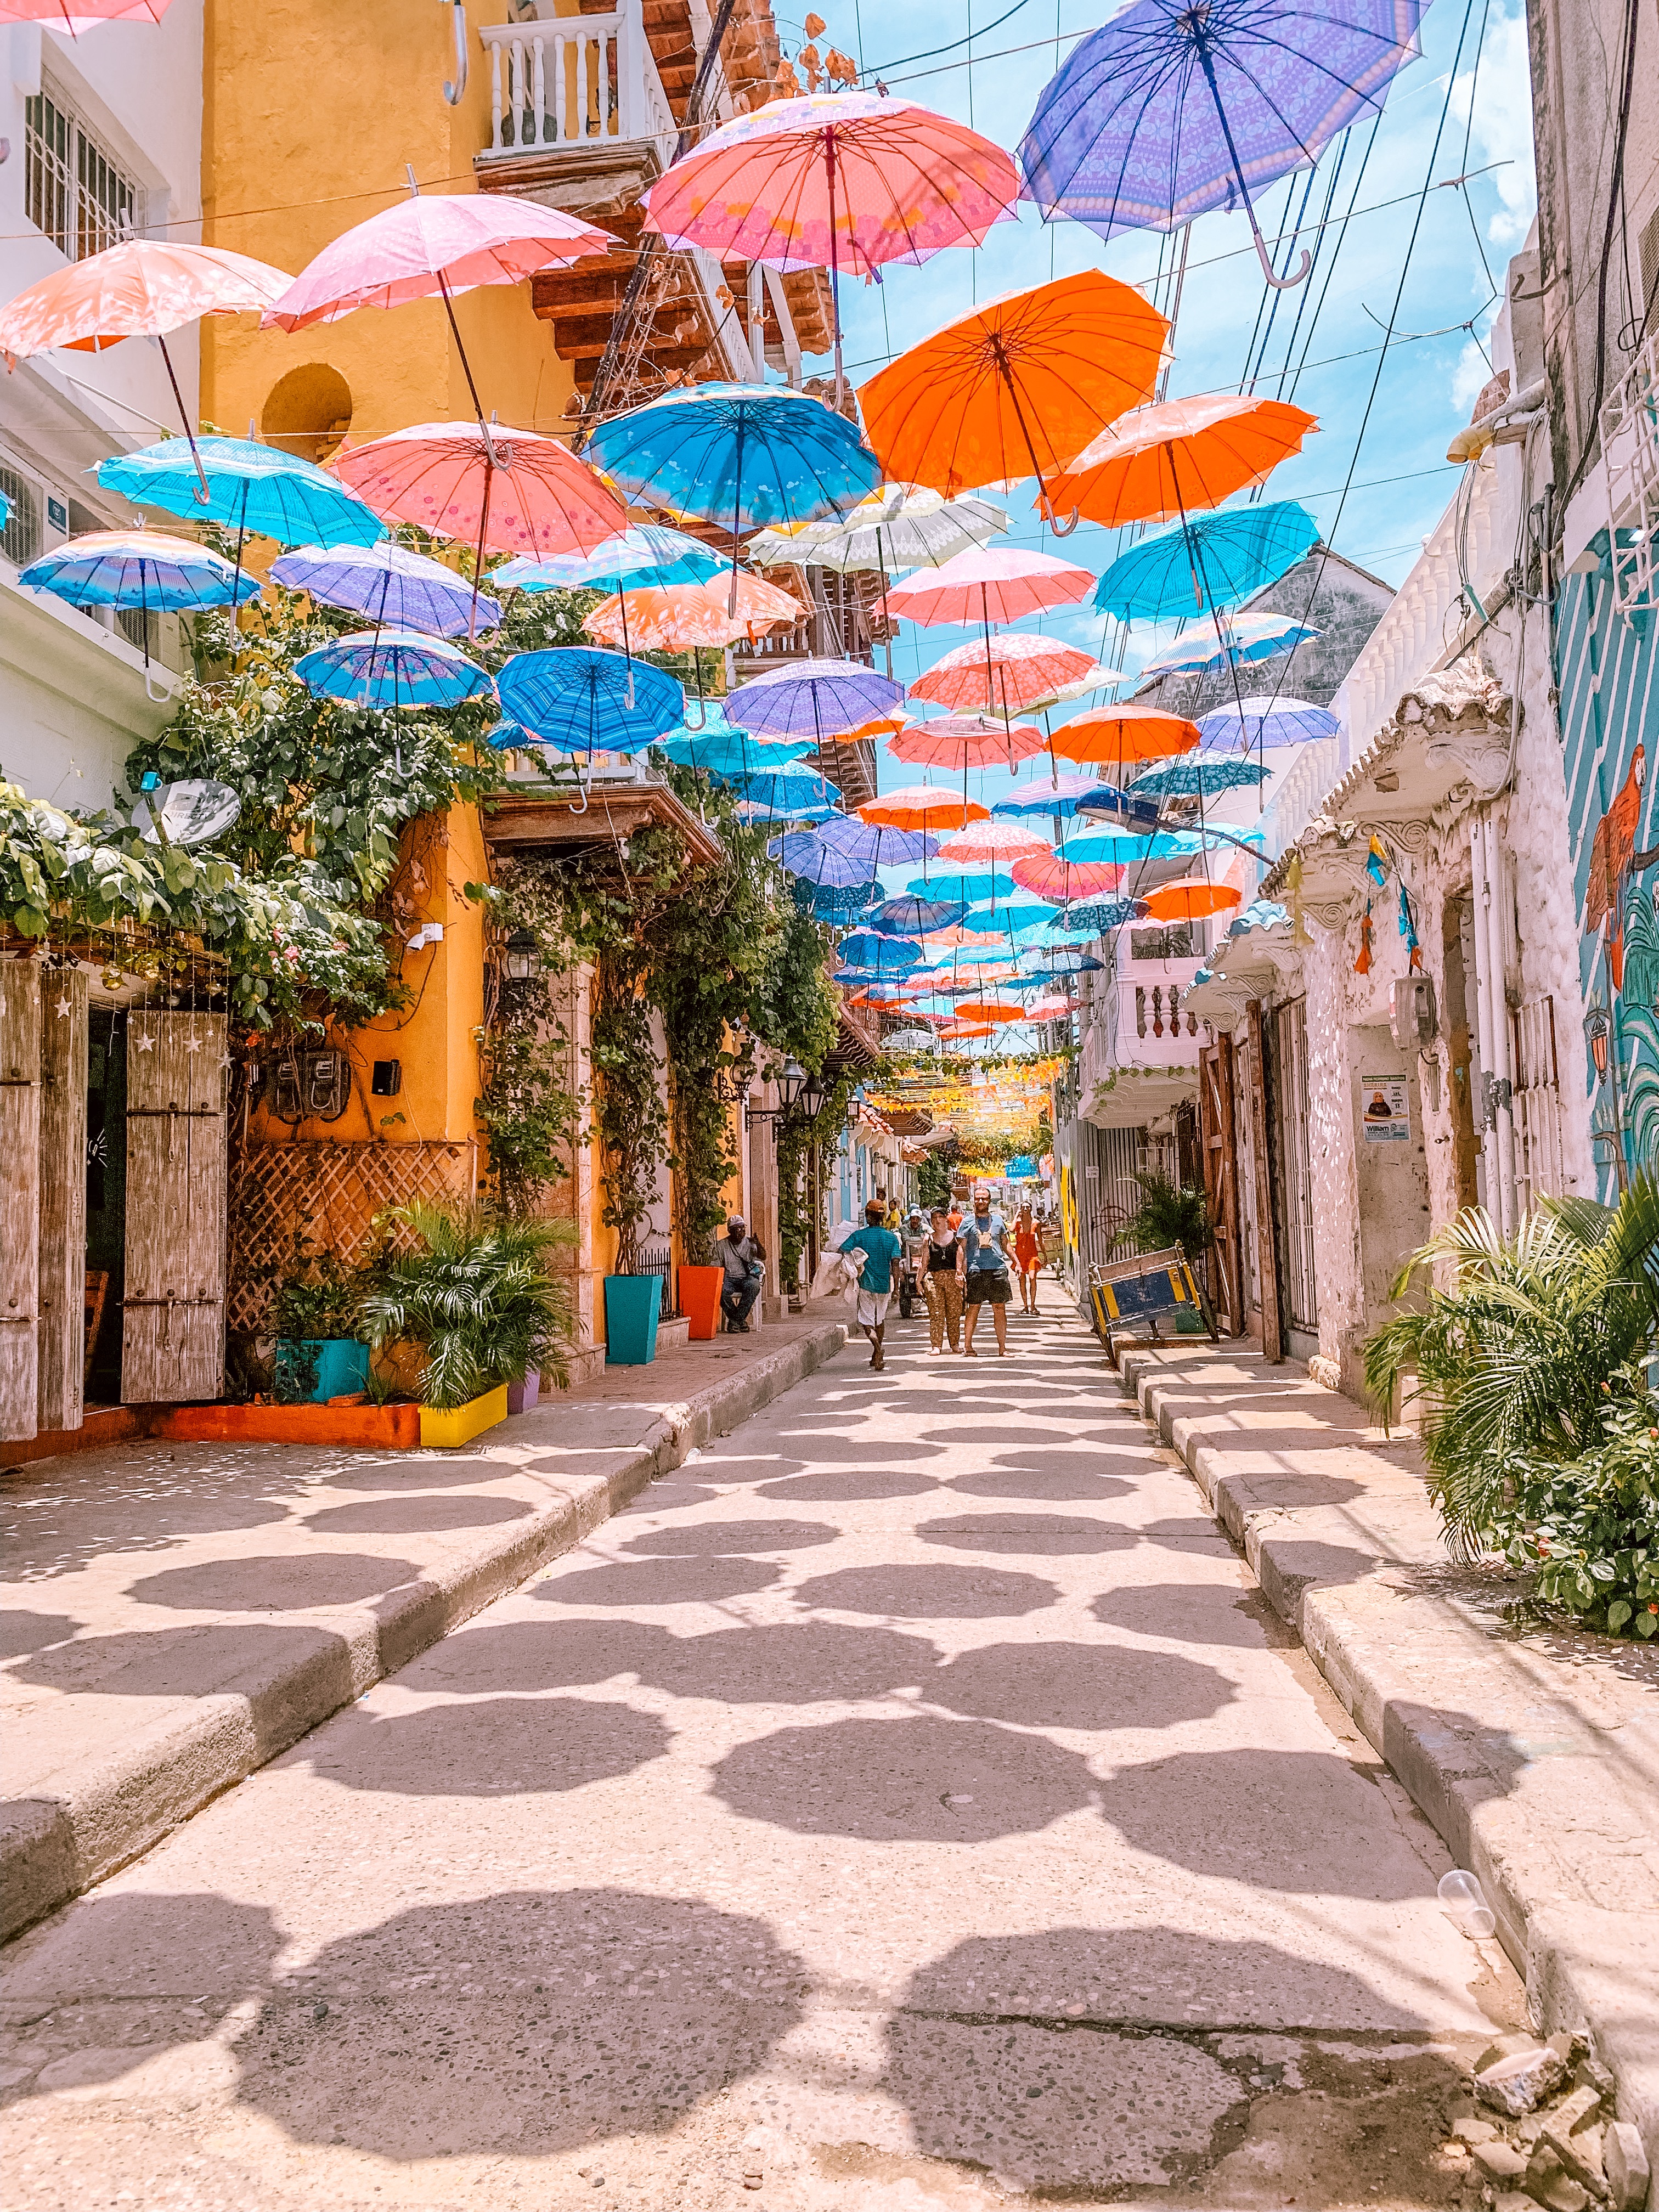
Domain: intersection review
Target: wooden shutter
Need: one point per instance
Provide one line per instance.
(1267, 1252)
(20, 1195)
(1219, 1153)
(63, 1196)
(172, 1341)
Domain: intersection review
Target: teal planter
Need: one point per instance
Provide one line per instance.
(632, 1303)
(340, 1364)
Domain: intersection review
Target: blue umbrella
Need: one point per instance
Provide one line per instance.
(893, 956)
(803, 852)
(1244, 638)
(913, 916)
(1170, 109)
(787, 791)
(389, 584)
(252, 489)
(508, 737)
(1053, 960)
(141, 568)
(393, 668)
(720, 751)
(1132, 816)
(992, 884)
(1209, 561)
(1260, 914)
(800, 817)
(647, 554)
(1041, 794)
(855, 850)
(758, 455)
(812, 699)
(581, 699)
(841, 903)
(1101, 915)
(1259, 721)
(1199, 775)
(1009, 915)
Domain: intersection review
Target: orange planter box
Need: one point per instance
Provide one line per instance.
(700, 1300)
(392, 1428)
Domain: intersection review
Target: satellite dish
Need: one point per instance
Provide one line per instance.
(191, 813)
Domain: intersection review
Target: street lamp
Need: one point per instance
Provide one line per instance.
(789, 1082)
(519, 957)
(812, 1096)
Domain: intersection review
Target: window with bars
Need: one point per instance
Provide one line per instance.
(74, 188)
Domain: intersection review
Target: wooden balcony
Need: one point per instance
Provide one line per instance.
(546, 818)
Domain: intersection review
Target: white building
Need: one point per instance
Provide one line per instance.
(100, 137)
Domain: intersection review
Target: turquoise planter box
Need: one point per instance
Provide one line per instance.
(342, 1368)
(632, 1303)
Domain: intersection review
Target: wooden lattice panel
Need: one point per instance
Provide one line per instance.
(331, 1192)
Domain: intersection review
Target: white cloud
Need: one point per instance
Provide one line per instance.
(1501, 130)
(1468, 378)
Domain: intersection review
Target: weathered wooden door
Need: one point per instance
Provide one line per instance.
(1266, 1242)
(172, 1341)
(62, 1197)
(19, 1196)
(1219, 1153)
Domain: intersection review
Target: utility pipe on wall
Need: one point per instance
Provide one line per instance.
(1490, 880)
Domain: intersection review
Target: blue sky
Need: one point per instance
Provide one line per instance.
(1400, 482)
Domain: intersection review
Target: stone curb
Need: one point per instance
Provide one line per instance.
(1437, 1696)
(54, 1847)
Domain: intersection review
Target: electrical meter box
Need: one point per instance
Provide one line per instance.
(1412, 1016)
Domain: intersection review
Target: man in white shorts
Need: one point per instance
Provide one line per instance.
(881, 1254)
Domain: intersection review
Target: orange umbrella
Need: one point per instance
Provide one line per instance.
(991, 1010)
(673, 617)
(923, 806)
(965, 741)
(1189, 899)
(1163, 463)
(1005, 674)
(1017, 387)
(1117, 737)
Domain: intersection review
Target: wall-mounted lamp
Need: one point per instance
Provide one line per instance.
(519, 956)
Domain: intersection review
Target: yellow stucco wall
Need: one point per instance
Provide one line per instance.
(311, 109)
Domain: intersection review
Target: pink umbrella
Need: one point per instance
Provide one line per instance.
(77, 15)
(502, 490)
(1061, 880)
(836, 179)
(989, 584)
(965, 741)
(1021, 670)
(999, 842)
(434, 243)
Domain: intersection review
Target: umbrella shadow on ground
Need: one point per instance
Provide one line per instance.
(659, 1582)
(243, 1658)
(523, 2025)
(1079, 1686)
(1083, 2060)
(416, 1516)
(58, 1523)
(723, 1539)
(488, 1748)
(921, 1779)
(1194, 1532)
(1055, 1535)
(1197, 1612)
(23, 1633)
(927, 1592)
(429, 1472)
(275, 1582)
(830, 1488)
(836, 1451)
(1060, 1475)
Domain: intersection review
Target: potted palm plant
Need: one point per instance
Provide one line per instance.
(474, 1302)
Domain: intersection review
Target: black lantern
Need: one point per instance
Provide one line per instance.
(519, 958)
(812, 1096)
(790, 1079)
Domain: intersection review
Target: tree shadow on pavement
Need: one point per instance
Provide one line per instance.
(922, 1779)
(1195, 1532)
(1055, 1535)
(275, 1582)
(657, 1582)
(488, 1748)
(1079, 1686)
(927, 1592)
(242, 1658)
(522, 2025)
(23, 1633)
(415, 1516)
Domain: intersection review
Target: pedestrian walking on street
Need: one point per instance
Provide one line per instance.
(944, 1263)
(913, 1236)
(881, 1256)
(1028, 1257)
(989, 1277)
(744, 1263)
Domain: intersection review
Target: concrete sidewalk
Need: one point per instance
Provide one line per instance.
(1535, 1755)
(175, 1614)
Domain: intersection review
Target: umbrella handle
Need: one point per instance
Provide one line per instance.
(1280, 284)
(1059, 529)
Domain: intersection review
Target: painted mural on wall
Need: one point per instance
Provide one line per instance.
(1607, 672)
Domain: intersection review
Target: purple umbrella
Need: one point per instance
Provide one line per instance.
(812, 699)
(849, 852)
(392, 586)
(1172, 108)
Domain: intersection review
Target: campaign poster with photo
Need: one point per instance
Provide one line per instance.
(1385, 1113)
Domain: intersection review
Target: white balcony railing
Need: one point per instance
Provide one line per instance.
(1630, 469)
(570, 81)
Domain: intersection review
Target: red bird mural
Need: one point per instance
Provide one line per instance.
(1613, 856)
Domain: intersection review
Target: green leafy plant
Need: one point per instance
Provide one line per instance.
(1168, 1214)
(316, 1296)
(476, 1294)
(1587, 1528)
(1517, 1360)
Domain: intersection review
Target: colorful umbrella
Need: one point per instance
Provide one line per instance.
(1190, 899)
(811, 698)
(961, 885)
(252, 489)
(988, 584)
(1199, 775)
(991, 1010)
(899, 526)
(805, 855)
(393, 668)
(999, 843)
(496, 489)
(645, 553)
(435, 245)
(797, 817)
(1006, 675)
(1168, 109)
(840, 905)
(1261, 721)
(1121, 809)
(834, 179)
(1162, 463)
(676, 618)
(1209, 561)
(923, 806)
(141, 568)
(912, 917)
(788, 793)
(1115, 738)
(876, 845)
(1063, 880)
(1102, 915)
(1045, 795)
(389, 584)
(582, 701)
(718, 751)
(1017, 388)
(960, 742)
(758, 453)
(71, 14)
(1241, 639)
(1011, 917)
(867, 948)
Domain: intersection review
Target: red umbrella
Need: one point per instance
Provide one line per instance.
(435, 245)
(1190, 899)
(503, 491)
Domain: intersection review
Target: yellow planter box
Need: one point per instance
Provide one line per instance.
(462, 1423)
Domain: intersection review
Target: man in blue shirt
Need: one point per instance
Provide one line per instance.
(880, 1253)
(989, 1280)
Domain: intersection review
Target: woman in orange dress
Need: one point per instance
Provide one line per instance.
(1028, 1258)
